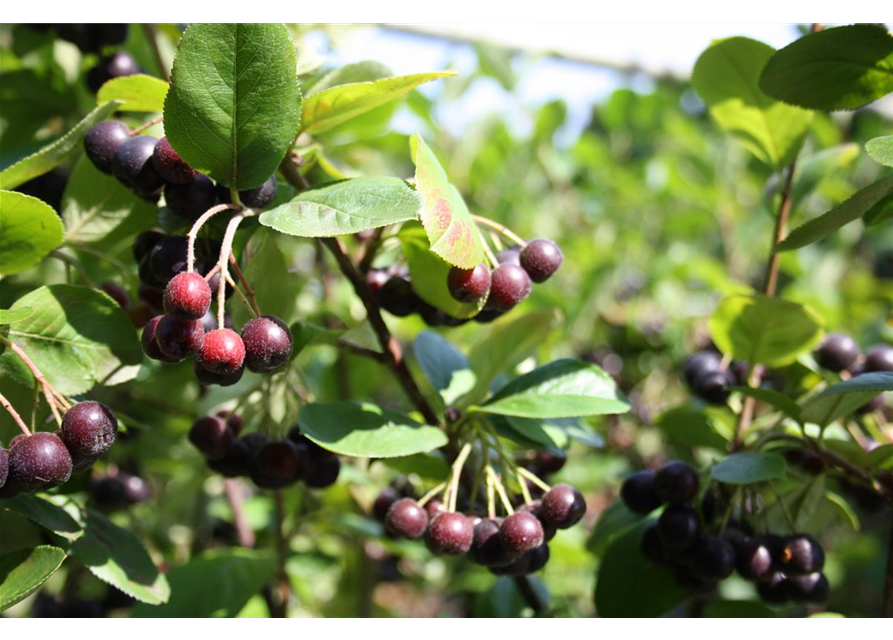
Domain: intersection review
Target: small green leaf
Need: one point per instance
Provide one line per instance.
(841, 68)
(352, 73)
(234, 106)
(306, 333)
(562, 389)
(881, 150)
(349, 206)
(843, 508)
(878, 456)
(856, 206)
(326, 109)
(439, 359)
(23, 571)
(749, 467)
(52, 155)
(44, 513)
(138, 92)
(445, 216)
(613, 522)
(768, 331)
(726, 76)
(366, 430)
(29, 230)
(430, 466)
(843, 398)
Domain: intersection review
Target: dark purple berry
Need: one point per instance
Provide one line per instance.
(837, 352)
(486, 547)
(521, 532)
(406, 518)
(397, 297)
(383, 502)
(713, 559)
(89, 429)
(774, 589)
(276, 464)
(136, 490)
(132, 165)
(540, 259)
(511, 255)
(713, 386)
(676, 481)
(211, 436)
(562, 506)
(699, 363)
(753, 559)
(450, 533)
(178, 338)
(187, 296)
(651, 547)
(38, 462)
(879, 358)
(469, 285)
(679, 528)
(509, 285)
(638, 492)
(108, 68)
(233, 420)
(117, 293)
(261, 196)
(102, 142)
(192, 199)
(810, 589)
(235, 463)
(150, 342)
(802, 554)
(322, 472)
(169, 257)
(268, 343)
(170, 165)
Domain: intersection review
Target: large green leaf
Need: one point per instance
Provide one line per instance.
(23, 571)
(759, 329)
(349, 206)
(842, 68)
(76, 336)
(326, 109)
(856, 206)
(562, 389)
(881, 150)
(138, 92)
(445, 216)
(749, 467)
(215, 584)
(52, 155)
(29, 230)
(690, 426)
(366, 430)
(613, 522)
(726, 76)
(446, 368)
(843, 398)
(234, 106)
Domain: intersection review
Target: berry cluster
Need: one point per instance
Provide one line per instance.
(514, 545)
(783, 568)
(270, 463)
(43, 460)
(839, 353)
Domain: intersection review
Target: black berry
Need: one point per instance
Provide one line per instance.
(774, 589)
(89, 429)
(132, 165)
(650, 545)
(486, 547)
(236, 462)
(509, 285)
(879, 358)
(469, 285)
(168, 258)
(102, 142)
(810, 589)
(406, 518)
(754, 559)
(268, 343)
(638, 492)
(261, 196)
(192, 199)
(540, 259)
(383, 502)
(150, 342)
(802, 554)
(211, 436)
(713, 386)
(108, 68)
(170, 165)
(511, 255)
(322, 472)
(397, 297)
(563, 506)
(679, 528)
(676, 481)
(701, 362)
(178, 338)
(276, 464)
(837, 352)
(713, 559)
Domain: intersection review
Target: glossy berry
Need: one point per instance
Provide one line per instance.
(802, 554)
(651, 547)
(469, 285)
(509, 285)
(136, 490)
(676, 481)
(383, 502)
(433, 507)
(810, 589)
(235, 462)
(450, 533)
(486, 546)
(541, 259)
(187, 296)
(562, 506)
(774, 589)
(511, 255)
(701, 362)
(713, 559)
(879, 358)
(397, 297)
(108, 68)
(102, 142)
(211, 436)
(521, 532)
(178, 338)
(713, 386)
(4, 466)
(322, 472)
(753, 559)
(223, 351)
(406, 518)
(169, 257)
(268, 343)
(170, 165)
(261, 196)
(537, 558)
(89, 429)
(150, 343)
(837, 352)
(679, 528)
(638, 492)
(192, 199)
(39, 461)
(132, 165)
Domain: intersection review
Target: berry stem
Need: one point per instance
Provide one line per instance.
(362, 351)
(500, 489)
(15, 415)
(143, 127)
(457, 473)
(491, 497)
(508, 233)
(225, 251)
(248, 290)
(193, 232)
(435, 491)
(74, 262)
(533, 478)
(488, 253)
(49, 391)
(251, 309)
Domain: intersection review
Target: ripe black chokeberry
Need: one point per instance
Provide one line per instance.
(192, 199)
(108, 68)
(753, 559)
(469, 285)
(397, 297)
(450, 533)
(676, 481)
(486, 547)
(650, 545)
(102, 142)
(187, 296)
(509, 285)
(276, 464)
(701, 362)
(638, 492)
(178, 338)
(132, 165)
(211, 436)
(383, 502)
(261, 196)
(170, 165)
(236, 462)
(679, 528)
(268, 343)
(713, 559)
(222, 352)
(511, 255)
(537, 558)
(4, 466)
(39, 461)
(541, 258)
(168, 258)
(562, 506)
(837, 352)
(774, 589)
(713, 386)
(406, 518)
(521, 532)
(879, 358)
(322, 472)
(150, 342)
(551, 461)
(136, 490)
(811, 589)
(89, 429)
(801, 554)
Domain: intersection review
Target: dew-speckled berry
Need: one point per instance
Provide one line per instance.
(223, 351)
(268, 343)
(89, 428)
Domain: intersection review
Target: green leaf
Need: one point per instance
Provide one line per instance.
(330, 107)
(44, 513)
(23, 571)
(445, 216)
(879, 455)
(76, 336)
(856, 206)
(275, 289)
(348, 206)
(366, 430)
(816, 167)
(843, 398)
(354, 72)
(881, 150)
(429, 273)
(773, 398)
(96, 207)
(738, 609)
(749, 467)
(138, 92)
(807, 503)
(29, 230)
(234, 106)
(306, 333)
(844, 510)
(628, 585)
(690, 426)
(8, 316)
(565, 388)
(446, 368)
(768, 331)
(613, 522)
(215, 584)
(841, 68)
(52, 155)
(547, 433)
(726, 76)
(430, 466)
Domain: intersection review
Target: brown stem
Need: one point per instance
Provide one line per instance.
(371, 248)
(282, 546)
(362, 351)
(233, 490)
(143, 127)
(248, 290)
(49, 391)
(15, 415)
(153, 43)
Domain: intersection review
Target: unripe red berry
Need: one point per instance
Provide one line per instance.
(268, 343)
(450, 533)
(223, 351)
(521, 532)
(187, 295)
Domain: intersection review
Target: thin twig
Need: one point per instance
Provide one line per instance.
(225, 250)
(15, 415)
(143, 127)
(193, 232)
(153, 44)
(508, 233)
(233, 490)
(378, 356)
(48, 389)
(248, 290)
(371, 248)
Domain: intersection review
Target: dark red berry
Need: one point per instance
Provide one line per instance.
(322, 472)
(563, 506)
(149, 342)
(802, 554)
(469, 285)
(511, 255)
(521, 532)
(136, 490)
(108, 68)
(178, 338)
(38, 462)
(397, 297)
(509, 285)
(679, 528)
(170, 165)
(541, 259)
(638, 492)
(487, 548)
(261, 196)
(551, 461)
(774, 589)
(450, 533)
(268, 343)
(406, 518)
(383, 502)
(753, 559)
(236, 462)
(810, 589)
(103, 140)
(187, 295)
(4, 466)
(879, 358)
(713, 559)
(89, 429)
(192, 199)
(132, 165)
(223, 352)
(837, 352)
(279, 460)
(676, 481)
(433, 507)
(211, 436)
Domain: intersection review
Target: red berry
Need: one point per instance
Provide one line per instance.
(170, 165)
(406, 518)
(117, 293)
(178, 337)
(187, 295)
(268, 343)
(89, 429)
(469, 285)
(39, 461)
(510, 284)
(223, 351)
(540, 259)
(150, 343)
